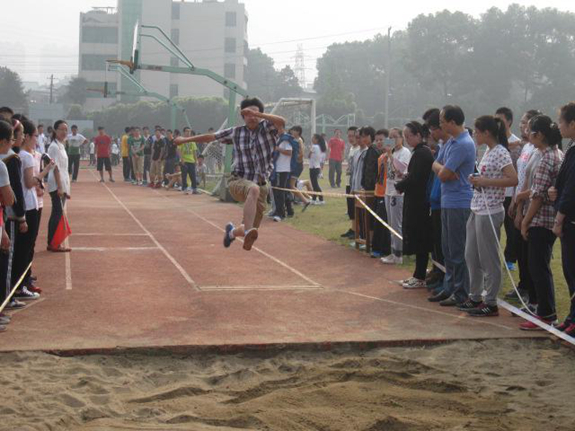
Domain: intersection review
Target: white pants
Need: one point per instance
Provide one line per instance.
(394, 208)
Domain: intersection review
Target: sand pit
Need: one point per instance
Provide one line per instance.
(491, 385)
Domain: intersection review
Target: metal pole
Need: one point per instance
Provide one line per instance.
(387, 77)
(313, 118)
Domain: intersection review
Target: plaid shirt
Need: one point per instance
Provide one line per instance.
(545, 177)
(253, 150)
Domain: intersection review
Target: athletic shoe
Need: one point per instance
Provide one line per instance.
(349, 234)
(112, 180)
(34, 289)
(529, 326)
(277, 218)
(320, 203)
(227, 239)
(570, 330)
(25, 295)
(510, 266)
(2, 328)
(4, 321)
(438, 297)
(102, 181)
(414, 283)
(450, 302)
(15, 305)
(251, 237)
(390, 260)
(484, 310)
(376, 255)
(469, 305)
(563, 327)
(531, 309)
(512, 294)
(195, 192)
(151, 185)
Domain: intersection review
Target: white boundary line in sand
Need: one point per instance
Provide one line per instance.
(152, 237)
(269, 256)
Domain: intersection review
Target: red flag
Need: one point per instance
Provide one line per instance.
(63, 231)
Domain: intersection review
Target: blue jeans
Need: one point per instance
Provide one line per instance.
(453, 238)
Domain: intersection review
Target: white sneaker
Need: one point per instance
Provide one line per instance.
(277, 219)
(320, 203)
(414, 283)
(389, 260)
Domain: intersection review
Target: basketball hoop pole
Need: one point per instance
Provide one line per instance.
(190, 69)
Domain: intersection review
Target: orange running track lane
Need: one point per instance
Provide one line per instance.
(148, 270)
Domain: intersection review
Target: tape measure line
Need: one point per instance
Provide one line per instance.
(20, 281)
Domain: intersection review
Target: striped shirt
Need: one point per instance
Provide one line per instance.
(253, 150)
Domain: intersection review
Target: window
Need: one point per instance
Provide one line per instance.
(230, 45)
(175, 36)
(230, 70)
(173, 90)
(95, 62)
(175, 10)
(100, 35)
(231, 19)
(174, 61)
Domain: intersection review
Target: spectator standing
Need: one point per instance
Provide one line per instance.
(283, 165)
(317, 149)
(397, 162)
(115, 153)
(147, 154)
(136, 143)
(496, 174)
(157, 166)
(189, 154)
(416, 214)
(171, 154)
(353, 149)
(453, 168)
(537, 225)
(103, 145)
(564, 197)
(75, 141)
(125, 149)
(41, 139)
(381, 244)
(336, 149)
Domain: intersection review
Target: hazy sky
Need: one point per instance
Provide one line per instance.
(47, 31)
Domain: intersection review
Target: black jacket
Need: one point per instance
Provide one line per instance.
(369, 177)
(565, 185)
(14, 166)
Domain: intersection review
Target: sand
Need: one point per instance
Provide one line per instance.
(492, 385)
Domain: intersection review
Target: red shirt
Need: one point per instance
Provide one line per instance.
(336, 149)
(103, 145)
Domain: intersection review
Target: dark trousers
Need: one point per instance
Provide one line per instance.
(314, 177)
(126, 168)
(57, 211)
(350, 204)
(437, 251)
(525, 280)
(510, 254)
(281, 198)
(7, 259)
(381, 236)
(189, 169)
(74, 165)
(568, 258)
(24, 246)
(27, 280)
(421, 261)
(541, 242)
(147, 164)
(334, 173)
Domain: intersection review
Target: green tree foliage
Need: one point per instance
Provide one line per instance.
(12, 91)
(76, 91)
(203, 113)
(267, 83)
(522, 57)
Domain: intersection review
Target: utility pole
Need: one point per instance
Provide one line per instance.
(51, 89)
(387, 77)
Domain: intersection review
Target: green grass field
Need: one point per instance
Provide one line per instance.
(330, 221)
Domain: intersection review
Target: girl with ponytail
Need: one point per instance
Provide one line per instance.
(496, 172)
(537, 225)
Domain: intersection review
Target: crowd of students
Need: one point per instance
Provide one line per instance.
(451, 192)
(444, 190)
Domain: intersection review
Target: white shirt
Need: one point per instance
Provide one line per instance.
(315, 157)
(57, 152)
(42, 143)
(30, 198)
(4, 177)
(283, 162)
(510, 191)
(92, 147)
(76, 140)
(396, 165)
(522, 162)
(115, 148)
(489, 200)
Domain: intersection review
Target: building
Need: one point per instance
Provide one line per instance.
(211, 33)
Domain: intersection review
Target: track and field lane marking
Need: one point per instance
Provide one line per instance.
(110, 234)
(269, 256)
(103, 249)
(152, 237)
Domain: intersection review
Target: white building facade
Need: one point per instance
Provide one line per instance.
(211, 33)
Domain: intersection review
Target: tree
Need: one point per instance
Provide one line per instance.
(76, 113)
(12, 91)
(287, 84)
(76, 91)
